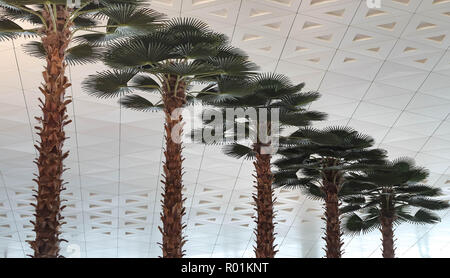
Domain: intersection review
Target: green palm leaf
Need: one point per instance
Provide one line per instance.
(77, 55)
(239, 151)
(14, 13)
(355, 224)
(129, 18)
(10, 30)
(145, 83)
(138, 103)
(83, 54)
(427, 203)
(422, 216)
(109, 83)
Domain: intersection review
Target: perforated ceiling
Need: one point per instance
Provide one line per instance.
(385, 72)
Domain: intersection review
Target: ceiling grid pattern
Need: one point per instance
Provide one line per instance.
(382, 71)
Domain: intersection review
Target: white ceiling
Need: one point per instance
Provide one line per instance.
(385, 72)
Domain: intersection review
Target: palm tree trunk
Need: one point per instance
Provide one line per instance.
(172, 203)
(333, 223)
(51, 132)
(388, 236)
(264, 231)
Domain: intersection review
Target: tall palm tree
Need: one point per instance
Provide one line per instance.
(56, 25)
(265, 91)
(318, 162)
(386, 196)
(183, 52)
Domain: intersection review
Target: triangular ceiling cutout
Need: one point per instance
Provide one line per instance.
(425, 25)
(199, 2)
(255, 13)
(440, 1)
(409, 49)
(338, 13)
(300, 49)
(250, 37)
(374, 49)
(283, 2)
(267, 48)
(388, 26)
(373, 12)
(325, 37)
(310, 25)
(311, 210)
(319, 2)
(348, 60)
(422, 61)
(215, 208)
(221, 13)
(360, 37)
(274, 26)
(437, 38)
(404, 2)
(164, 2)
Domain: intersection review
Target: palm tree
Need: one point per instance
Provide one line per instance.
(386, 195)
(183, 52)
(56, 25)
(264, 91)
(318, 162)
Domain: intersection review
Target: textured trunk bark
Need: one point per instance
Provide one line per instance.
(172, 203)
(333, 223)
(388, 236)
(264, 231)
(51, 132)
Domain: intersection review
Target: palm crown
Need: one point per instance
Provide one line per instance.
(182, 53)
(89, 26)
(326, 154)
(391, 190)
(264, 91)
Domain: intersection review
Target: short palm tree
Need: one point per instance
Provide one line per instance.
(57, 26)
(183, 52)
(318, 161)
(265, 91)
(386, 196)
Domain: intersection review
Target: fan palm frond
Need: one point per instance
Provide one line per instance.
(138, 103)
(109, 83)
(355, 224)
(422, 216)
(239, 151)
(10, 30)
(14, 13)
(427, 203)
(83, 54)
(145, 83)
